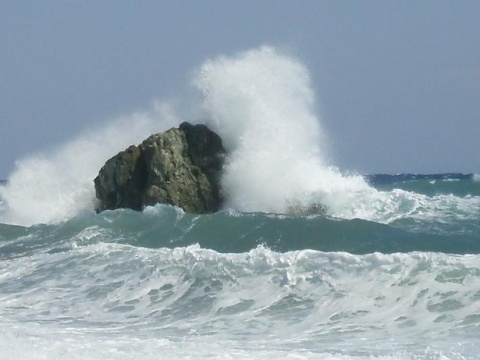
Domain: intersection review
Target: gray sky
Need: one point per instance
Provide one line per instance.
(397, 82)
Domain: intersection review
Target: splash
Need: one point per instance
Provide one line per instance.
(55, 186)
(262, 104)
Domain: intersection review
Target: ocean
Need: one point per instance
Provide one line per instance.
(303, 262)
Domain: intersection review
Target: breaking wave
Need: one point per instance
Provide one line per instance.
(262, 104)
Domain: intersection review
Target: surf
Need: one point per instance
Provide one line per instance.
(312, 302)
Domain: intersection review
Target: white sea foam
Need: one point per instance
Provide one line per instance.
(262, 104)
(52, 344)
(476, 177)
(55, 186)
(117, 301)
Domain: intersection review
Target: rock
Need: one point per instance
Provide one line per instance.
(179, 167)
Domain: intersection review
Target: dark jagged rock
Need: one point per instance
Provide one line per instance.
(179, 167)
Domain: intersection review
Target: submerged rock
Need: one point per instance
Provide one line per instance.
(179, 167)
(301, 209)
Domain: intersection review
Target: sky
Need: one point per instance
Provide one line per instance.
(397, 83)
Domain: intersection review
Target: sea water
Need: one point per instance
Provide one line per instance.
(303, 262)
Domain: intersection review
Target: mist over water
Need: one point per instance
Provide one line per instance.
(57, 185)
(262, 104)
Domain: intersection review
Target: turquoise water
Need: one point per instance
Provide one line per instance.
(165, 284)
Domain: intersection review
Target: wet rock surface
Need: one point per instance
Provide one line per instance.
(181, 166)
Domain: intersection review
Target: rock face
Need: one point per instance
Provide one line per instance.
(179, 167)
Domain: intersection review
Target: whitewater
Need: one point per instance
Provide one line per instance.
(303, 262)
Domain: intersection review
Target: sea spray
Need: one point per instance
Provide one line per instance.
(262, 104)
(55, 186)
